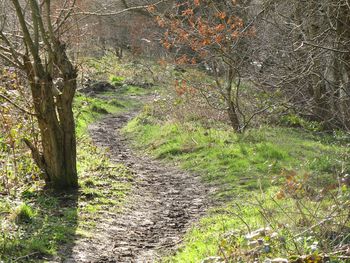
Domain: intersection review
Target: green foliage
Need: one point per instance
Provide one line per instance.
(23, 214)
(295, 120)
(89, 109)
(237, 161)
(16, 165)
(116, 80)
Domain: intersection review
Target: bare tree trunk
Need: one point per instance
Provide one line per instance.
(57, 128)
(343, 39)
(320, 93)
(230, 102)
(232, 114)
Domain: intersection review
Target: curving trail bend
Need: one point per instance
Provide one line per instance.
(161, 207)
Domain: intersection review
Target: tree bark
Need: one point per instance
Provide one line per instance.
(231, 107)
(56, 122)
(58, 137)
(232, 113)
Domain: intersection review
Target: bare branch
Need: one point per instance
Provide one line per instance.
(127, 9)
(16, 105)
(326, 48)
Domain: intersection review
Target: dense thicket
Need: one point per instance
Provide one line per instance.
(303, 51)
(297, 53)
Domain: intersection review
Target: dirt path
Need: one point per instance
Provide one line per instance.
(162, 205)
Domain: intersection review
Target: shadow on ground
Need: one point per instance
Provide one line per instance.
(38, 236)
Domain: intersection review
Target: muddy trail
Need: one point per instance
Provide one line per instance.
(161, 207)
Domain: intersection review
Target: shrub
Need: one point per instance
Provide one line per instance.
(116, 80)
(23, 214)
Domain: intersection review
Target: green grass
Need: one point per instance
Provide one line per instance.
(223, 233)
(126, 91)
(23, 214)
(250, 172)
(135, 91)
(89, 109)
(36, 230)
(239, 162)
(116, 80)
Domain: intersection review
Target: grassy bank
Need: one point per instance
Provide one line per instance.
(88, 109)
(285, 182)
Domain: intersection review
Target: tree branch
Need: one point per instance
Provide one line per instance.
(325, 48)
(127, 9)
(16, 105)
(27, 38)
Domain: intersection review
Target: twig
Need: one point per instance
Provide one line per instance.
(133, 8)
(326, 48)
(313, 226)
(26, 256)
(16, 105)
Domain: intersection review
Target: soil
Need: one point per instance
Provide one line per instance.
(161, 207)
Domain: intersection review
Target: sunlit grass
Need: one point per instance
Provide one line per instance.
(238, 161)
(249, 170)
